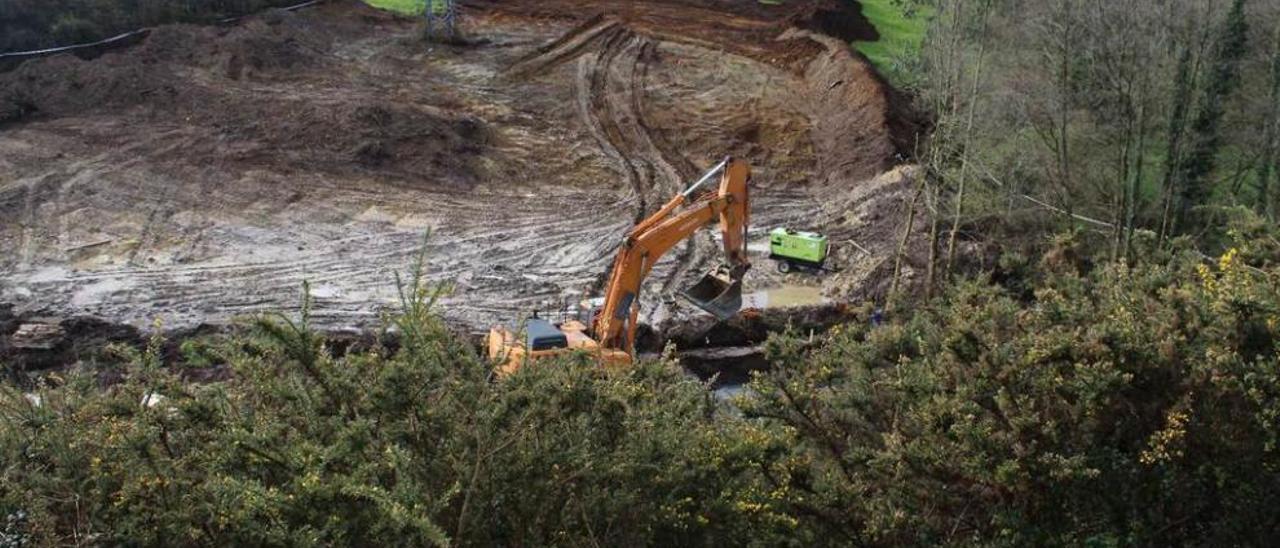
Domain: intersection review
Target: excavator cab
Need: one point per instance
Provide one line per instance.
(719, 292)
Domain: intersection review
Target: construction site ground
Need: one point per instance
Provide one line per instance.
(207, 172)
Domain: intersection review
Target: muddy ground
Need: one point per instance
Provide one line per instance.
(206, 172)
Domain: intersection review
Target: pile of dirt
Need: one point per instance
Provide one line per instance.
(14, 107)
(344, 136)
(77, 339)
(66, 85)
(751, 327)
(167, 72)
(151, 72)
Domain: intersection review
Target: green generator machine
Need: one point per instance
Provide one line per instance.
(796, 250)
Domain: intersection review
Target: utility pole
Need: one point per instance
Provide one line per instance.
(441, 21)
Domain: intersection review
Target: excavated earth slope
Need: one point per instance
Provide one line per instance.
(208, 171)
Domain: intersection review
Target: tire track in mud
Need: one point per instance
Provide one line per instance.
(611, 83)
(695, 250)
(507, 250)
(568, 46)
(352, 278)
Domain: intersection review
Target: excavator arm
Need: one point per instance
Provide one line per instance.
(719, 292)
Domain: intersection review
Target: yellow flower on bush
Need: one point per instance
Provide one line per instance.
(1227, 259)
(1163, 445)
(1206, 276)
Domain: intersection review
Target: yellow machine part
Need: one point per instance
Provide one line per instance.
(509, 352)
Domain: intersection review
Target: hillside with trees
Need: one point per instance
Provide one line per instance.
(1135, 120)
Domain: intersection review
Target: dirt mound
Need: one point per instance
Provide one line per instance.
(751, 327)
(344, 137)
(148, 73)
(378, 136)
(257, 47)
(66, 85)
(203, 73)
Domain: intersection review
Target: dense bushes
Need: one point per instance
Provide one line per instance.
(1133, 404)
(33, 24)
(1119, 404)
(413, 447)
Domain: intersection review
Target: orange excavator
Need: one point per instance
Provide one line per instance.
(611, 335)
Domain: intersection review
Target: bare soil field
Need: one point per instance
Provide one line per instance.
(206, 172)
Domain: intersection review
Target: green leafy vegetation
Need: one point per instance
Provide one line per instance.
(416, 445)
(404, 7)
(1128, 403)
(1112, 385)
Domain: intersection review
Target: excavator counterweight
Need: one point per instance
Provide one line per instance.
(611, 335)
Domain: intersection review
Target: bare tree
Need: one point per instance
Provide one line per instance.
(984, 16)
(1265, 204)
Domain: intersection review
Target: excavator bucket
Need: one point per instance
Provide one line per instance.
(717, 293)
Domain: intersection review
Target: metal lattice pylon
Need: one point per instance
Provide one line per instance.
(442, 19)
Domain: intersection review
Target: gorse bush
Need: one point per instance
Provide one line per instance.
(416, 446)
(1132, 404)
(1110, 405)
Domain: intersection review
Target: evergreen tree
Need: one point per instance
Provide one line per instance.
(1206, 137)
(1182, 91)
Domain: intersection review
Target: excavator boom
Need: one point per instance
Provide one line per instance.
(615, 327)
(612, 333)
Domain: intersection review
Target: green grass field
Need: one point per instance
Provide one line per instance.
(900, 38)
(406, 7)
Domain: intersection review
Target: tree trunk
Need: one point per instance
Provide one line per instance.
(1271, 155)
(1223, 79)
(1135, 186)
(968, 137)
(1182, 90)
(906, 238)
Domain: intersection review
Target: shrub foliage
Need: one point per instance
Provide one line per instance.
(1132, 404)
(416, 446)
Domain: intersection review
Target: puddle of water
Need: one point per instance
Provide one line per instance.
(779, 297)
(728, 392)
(784, 297)
(759, 246)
